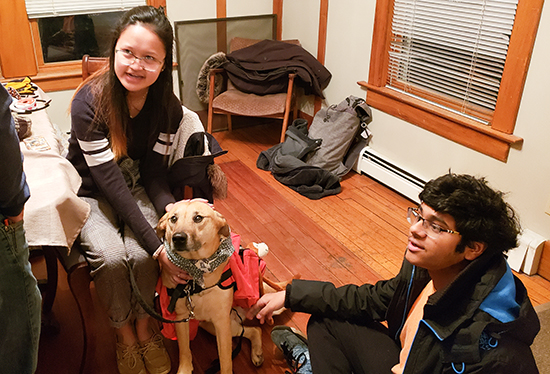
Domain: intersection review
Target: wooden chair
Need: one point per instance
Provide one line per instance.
(235, 102)
(92, 64)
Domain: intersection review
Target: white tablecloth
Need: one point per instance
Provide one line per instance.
(54, 215)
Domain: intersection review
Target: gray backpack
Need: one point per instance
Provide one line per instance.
(343, 130)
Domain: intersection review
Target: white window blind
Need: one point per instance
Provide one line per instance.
(55, 8)
(455, 49)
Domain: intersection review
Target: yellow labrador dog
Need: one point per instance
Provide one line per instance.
(197, 240)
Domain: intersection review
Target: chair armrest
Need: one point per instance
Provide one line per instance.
(212, 72)
(212, 82)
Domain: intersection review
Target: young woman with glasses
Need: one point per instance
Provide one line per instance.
(123, 120)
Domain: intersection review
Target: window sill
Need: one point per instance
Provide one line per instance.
(462, 130)
(60, 76)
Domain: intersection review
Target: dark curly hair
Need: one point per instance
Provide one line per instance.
(480, 212)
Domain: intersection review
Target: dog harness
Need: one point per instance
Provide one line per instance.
(242, 273)
(197, 268)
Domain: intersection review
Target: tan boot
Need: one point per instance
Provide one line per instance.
(129, 359)
(155, 356)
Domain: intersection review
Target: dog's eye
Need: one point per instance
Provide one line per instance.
(198, 218)
(174, 219)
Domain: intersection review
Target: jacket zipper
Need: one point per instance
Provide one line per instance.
(406, 304)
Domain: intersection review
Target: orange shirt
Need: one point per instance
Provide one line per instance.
(411, 326)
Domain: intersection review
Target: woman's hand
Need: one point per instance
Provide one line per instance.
(175, 273)
(169, 206)
(266, 305)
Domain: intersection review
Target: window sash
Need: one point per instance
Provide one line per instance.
(56, 8)
(453, 49)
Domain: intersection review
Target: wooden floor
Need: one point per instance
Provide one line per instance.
(356, 236)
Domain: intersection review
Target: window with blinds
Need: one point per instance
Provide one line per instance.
(69, 29)
(56, 8)
(451, 53)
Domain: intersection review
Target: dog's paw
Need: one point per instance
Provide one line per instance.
(257, 360)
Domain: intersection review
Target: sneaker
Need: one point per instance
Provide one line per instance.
(155, 356)
(293, 344)
(129, 359)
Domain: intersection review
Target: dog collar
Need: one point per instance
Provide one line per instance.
(197, 268)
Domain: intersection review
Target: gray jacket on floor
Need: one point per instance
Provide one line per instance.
(285, 162)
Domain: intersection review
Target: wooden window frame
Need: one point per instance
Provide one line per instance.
(21, 52)
(494, 139)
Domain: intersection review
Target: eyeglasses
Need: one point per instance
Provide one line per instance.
(147, 63)
(432, 229)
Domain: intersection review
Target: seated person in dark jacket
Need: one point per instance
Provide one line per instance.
(454, 307)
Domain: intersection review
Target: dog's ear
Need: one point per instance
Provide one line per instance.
(161, 226)
(223, 226)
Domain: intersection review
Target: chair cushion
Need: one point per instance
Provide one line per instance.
(244, 104)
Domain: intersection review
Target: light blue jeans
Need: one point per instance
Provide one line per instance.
(20, 303)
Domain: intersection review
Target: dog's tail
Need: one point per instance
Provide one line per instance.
(148, 308)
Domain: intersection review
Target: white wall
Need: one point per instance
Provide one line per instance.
(185, 10)
(526, 175)
(58, 109)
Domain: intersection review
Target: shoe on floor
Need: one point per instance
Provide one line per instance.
(129, 359)
(155, 356)
(293, 344)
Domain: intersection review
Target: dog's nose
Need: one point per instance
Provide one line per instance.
(180, 240)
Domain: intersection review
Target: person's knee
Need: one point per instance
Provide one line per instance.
(315, 324)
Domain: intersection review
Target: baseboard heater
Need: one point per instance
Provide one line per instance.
(388, 173)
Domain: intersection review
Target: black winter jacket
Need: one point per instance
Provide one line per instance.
(483, 322)
(286, 163)
(263, 68)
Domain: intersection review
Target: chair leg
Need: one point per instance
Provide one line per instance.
(288, 101)
(48, 288)
(210, 120)
(211, 82)
(51, 287)
(229, 123)
(285, 125)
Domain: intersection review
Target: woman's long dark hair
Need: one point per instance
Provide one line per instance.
(110, 95)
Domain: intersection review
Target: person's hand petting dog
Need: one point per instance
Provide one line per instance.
(176, 274)
(169, 206)
(265, 306)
